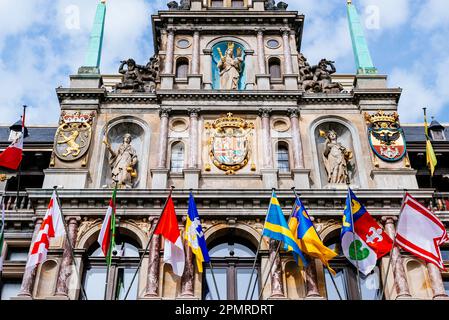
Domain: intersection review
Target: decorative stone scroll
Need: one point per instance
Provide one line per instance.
(229, 143)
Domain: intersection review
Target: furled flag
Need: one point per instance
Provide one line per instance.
(2, 236)
(431, 158)
(195, 236)
(11, 157)
(364, 242)
(276, 228)
(306, 236)
(173, 246)
(420, 232)
(106, 238)
(52, 227)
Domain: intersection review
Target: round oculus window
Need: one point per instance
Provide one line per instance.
(273, 43)
(183, 43)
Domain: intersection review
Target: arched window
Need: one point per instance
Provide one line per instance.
(274, 66)
(282, 156)
(232, 260)
(182, 68)
(346, 278)
(125, 259)
(177, 158)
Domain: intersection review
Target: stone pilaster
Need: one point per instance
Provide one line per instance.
(298, 159)
(193, 134)
(312, 291)
(65, 271)
(208, 68)
(288, 63)
(187, 278)
(160, 174)
(196, 52)
(265, 113)
(261, 51)
(277, 286)
(26, 289)
(152, 286)
(170, 53)
(439, 293)
(400, 278)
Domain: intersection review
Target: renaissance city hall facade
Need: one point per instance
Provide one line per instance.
(228, 108)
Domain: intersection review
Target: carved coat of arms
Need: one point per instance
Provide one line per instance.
(386, 136)
(229, 143)
(72, 139)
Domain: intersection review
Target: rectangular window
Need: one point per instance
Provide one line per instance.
(10, 288)
(238, 3)
(340, 282)
(94, 283)
(209, 290)
(17, 254)
(446, 284)
(124, 278)
(370, 285)
(445, 254)
(216, 3)
(243, 276)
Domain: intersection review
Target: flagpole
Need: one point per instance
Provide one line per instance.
(111, 242)
(353, 242)
(313, 225)
(69, 242)
(19, 171)
(258, 249)
(213, 278)
(148, 244)
(384, 282)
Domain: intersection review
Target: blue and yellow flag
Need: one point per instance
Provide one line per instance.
(195, 236)
(306, 236)
(276, 228)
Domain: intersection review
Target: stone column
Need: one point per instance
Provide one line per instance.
(207, 68)
(163, 138)
(312, 290)
(437, 282)
(400, 278)
(298, 159)
(193, 133)
(189, 273)
(261, 51)
(266, 138)
(152, 287)
(170, 53)
(277, 286)
(26, 289)
(196, 52)
(287, 51)
(65, 270)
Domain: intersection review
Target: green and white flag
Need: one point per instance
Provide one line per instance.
(2, 236)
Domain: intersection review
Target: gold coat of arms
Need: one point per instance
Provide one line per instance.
(72, 139)
(229, 143)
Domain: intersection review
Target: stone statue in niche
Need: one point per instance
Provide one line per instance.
(336, 158)
(137, 78)
(123, 163)
(230, 67)
(317, 79)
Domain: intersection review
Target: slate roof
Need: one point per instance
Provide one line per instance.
(37, 135)
(415, 133)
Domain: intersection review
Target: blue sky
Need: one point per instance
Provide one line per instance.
(42, 42)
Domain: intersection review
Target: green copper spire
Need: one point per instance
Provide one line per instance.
(93, 57)
(359, 45)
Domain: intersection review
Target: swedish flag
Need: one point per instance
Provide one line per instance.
(195, 236)
(276, 228)
(306, 236)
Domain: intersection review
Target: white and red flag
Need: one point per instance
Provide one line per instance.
(420, 232)
(106, 238)
(52, 227)
(11, 157)
(173, 246)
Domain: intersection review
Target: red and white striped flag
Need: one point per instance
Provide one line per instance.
(52, 227)
(107, 232)
(420, 232)
(173, 246)
(11, 157)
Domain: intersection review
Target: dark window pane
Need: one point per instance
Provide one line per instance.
(446, 285)
(17, 254)
(238, 3)
(177, 158)
(283, 159)
(445, 254)
(275, 69)
(217, 3)
(182, 69)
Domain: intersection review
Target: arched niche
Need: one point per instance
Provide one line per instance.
(48, 276)
(418, 279)
(115, 130)
(347, 136)
(222, 44)
(294, 281)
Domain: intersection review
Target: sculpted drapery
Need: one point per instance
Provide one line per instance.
(230, 67)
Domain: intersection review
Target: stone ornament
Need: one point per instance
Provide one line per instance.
(73, 136)
(123, 163)
(386, 136)
(317, 79)
(336, 158)
(230, 66)
(229, 143)
(137, 78)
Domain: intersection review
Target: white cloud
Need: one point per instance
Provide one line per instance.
(433, 14)
(392, 13)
